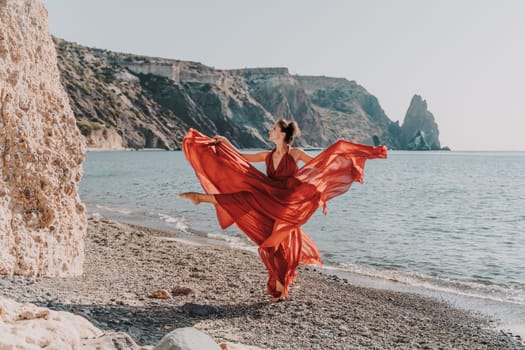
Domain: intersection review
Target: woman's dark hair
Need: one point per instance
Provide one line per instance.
(290, 128)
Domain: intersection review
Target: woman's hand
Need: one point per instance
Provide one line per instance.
(220, 138)
(250, 157)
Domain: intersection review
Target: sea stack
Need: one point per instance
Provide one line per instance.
(419, 131)
(42, 221)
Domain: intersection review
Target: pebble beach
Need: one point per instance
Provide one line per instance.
(125, 265)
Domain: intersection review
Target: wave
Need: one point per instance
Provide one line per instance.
(237, 242)
(180, 223)
(122, 211)
(511, 293)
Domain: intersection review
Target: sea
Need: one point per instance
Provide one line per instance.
(447, 224)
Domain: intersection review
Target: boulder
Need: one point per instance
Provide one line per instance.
(187, 338)
(42, 221)
(26, 326)
(200, 310)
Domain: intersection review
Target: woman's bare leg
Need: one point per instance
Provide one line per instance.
(198, 198)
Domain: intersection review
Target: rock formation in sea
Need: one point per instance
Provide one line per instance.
(129, 101)
(42, 221)
(419, 131)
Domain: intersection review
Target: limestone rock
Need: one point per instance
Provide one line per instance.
(187, 338)
(26, 326)
(42, 221)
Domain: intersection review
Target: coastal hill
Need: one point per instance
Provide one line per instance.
(128, 101)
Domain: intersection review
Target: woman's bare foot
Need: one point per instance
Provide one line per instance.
(280, 288)
(192, 196)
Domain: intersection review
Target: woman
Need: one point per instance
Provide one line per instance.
(271, 209)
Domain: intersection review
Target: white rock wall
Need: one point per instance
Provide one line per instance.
(42, 221)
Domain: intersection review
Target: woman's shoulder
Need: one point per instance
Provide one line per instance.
(296, 152)
(299, 154)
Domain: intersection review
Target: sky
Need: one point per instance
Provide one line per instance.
(465, 58)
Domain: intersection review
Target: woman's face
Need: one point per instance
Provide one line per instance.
(276, 134)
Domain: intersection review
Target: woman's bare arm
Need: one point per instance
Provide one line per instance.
(300, 155)
(255, 157)
(250, 157)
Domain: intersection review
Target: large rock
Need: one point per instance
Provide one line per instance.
(200, 310)
(187, 338)
(28, 327)
(42, 221)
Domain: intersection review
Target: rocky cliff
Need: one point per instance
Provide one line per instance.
(348, 111)
(42, 221)
(129, 101)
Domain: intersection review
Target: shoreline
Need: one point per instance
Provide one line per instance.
(125, 263)
(505, 315)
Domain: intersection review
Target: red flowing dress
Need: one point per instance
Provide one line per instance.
(270, 209)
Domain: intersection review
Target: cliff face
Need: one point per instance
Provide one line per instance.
(419, 130)
(123, 100)
(147, 102)
(42, 221)
(348, 111)
(112, 108)
(282, 96)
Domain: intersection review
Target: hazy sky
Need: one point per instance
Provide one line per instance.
(466, 58)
